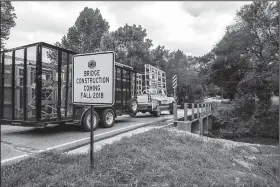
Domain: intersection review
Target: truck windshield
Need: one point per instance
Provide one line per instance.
(152, 91)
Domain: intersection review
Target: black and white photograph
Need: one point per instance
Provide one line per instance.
(139, 93)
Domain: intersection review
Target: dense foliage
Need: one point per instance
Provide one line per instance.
(247, 56)
(247, 66)
(242, 66)
(85, 35)
(7, 20)
(132, 47)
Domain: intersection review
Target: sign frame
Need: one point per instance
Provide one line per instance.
(113, 79)
(174, 81)
(174, 84)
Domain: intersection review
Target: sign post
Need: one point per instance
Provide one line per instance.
(91, 139)
(174, 83)
(93, 83)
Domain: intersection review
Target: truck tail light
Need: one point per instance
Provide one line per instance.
(149, 98)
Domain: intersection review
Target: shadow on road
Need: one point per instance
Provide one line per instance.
(53, 129)
(49, 129)
(150, 115)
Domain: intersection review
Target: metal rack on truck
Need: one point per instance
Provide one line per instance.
(153, 77)
(153, 97)
(35, 89)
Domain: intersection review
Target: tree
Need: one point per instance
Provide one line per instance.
(248, 45)
(246, 62)
(86, 34)
(159, 57)
(228, 72)
(184, 67)
(198, 91)
(261, 21)
(7, 20)
(175, 59)
(205, 63)
(213, 90)
(204, 71)
(130, 44)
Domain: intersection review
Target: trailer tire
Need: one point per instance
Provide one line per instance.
(86, 120)
(107, 118)
(171, 108)
(132, 107)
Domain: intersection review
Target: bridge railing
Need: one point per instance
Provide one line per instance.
(194, 112)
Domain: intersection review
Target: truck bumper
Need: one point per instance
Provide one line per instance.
(144, 107)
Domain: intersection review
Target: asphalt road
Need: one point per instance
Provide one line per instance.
(17, 142)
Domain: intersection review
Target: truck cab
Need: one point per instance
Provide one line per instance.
(155, 100)
(159, 95)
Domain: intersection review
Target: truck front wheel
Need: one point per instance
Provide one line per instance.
(132, 107)
(87, 120)
(107, 118)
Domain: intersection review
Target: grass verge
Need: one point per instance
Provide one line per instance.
(160, 157)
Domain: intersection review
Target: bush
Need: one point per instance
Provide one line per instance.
(262, 122)
(245, 105)
(265, 122)
(226, 121)
(214, 105)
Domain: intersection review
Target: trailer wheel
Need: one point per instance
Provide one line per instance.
(86, 120)
(171, 108)
(107, 118)
(132, 106)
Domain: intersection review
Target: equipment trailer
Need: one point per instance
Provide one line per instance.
(36, 89)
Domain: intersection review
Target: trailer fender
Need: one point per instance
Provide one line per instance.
(84, 112)
(101, 109)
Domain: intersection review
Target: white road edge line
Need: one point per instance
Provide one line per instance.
(165, 125)
(94, 136)
(61, 145)
(14, 158)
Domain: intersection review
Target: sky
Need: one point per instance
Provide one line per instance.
(191, 26)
